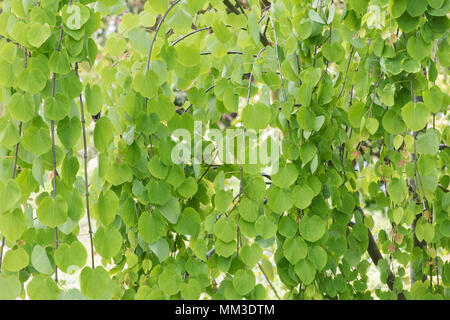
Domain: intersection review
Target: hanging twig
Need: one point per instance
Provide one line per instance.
(278, 58)
(189, 34)
(346, 70)
(251, 77)
(86, 184)
(16, 152)
(52, 131)
(147, 67)
(156, 33)
(268, 280)
(375, 255)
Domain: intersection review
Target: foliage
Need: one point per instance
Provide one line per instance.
(358, 89)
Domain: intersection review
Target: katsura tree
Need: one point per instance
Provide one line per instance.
(354, 203)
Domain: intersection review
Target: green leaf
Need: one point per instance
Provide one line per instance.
(15, 260)
(407, 23)
(6, 74)
(161, 249)
(355, 114)
(435, 4)
(103, 133)
(248, 209)
(11, 287)
(333, 52)
(397, 7)
(191, 290)
(169, 282)
(302, 195)
(265, 227)
(107, 241)
(393, 122)
(225, 229)
(21, 106)
(416, 7)
(251, 255)
(157, 168)
(43, 287)
(145, 83)
(32, 80)
(94, 99)
(306, 118)
(279, 200)
(417, 48)
(371, 125)
(12, 225)
(314, 16)
(318, 257)
(158, 192)
(107, 206)
(294, 249)
(244, 281)
(52, 212)
(69, 131)
(397, 190)
(256, 116)
(38, 33)
(115, 46)
(75, 16)
(70, 258)
(285, 176)
(398, 141)
(287, 227)
(188, 55)
(9, 136)
(312, 228)
(40, 260)
(10, 193)
(118, 173)
(59, 62)
(37, 140)
(56, 108)
(188, 223)
(94, 283)
(171, 210)
(428, 142)
(307, 152)
(305, 271)
(415, 115)
(221, 31)
(151, 226)
(433, 99)
(163, 106)
(223, 200)
(188, 188)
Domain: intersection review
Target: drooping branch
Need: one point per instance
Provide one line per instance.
(16, 152)
(251, 77)
(86, 183)
(189, 34)
(375, 255)
(235, 10)
(52, 132)
(278, 57)
(230, 6)
(346, 70)
(268, 280)
(156, 34)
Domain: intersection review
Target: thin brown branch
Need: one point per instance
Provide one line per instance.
(86, 183)
(375, 255)
(268, 280)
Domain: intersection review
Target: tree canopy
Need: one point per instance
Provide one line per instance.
(354, 203)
